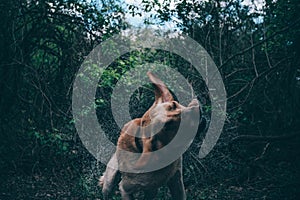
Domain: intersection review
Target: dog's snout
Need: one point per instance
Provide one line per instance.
(194, 106)
(193, 103)
(195, 110)
(191, 111)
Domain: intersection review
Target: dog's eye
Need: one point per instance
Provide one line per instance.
(173, 106)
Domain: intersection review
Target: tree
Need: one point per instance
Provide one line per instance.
(42, 44)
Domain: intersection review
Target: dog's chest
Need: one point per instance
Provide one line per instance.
(153, 179)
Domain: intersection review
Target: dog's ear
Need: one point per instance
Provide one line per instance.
(162, 94)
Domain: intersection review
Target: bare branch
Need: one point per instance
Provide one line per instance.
(259, 43)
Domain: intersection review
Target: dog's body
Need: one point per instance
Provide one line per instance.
(153, 131)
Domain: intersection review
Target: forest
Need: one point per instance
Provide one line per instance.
(253, 43)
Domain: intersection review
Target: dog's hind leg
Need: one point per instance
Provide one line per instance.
(176, 187)
(111, 177)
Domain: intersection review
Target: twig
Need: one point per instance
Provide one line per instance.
(259, 43)
(251, 138)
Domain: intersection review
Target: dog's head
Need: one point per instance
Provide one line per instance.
(160, 123)
(165, 112)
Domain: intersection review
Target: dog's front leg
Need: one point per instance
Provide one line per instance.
(176, 187)
(126, 190)
(126, 196)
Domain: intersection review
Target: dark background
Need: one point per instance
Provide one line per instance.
(43, 43)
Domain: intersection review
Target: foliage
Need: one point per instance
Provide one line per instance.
(257, 55)
(43, 42)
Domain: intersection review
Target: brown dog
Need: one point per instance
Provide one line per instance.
(153, 131)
